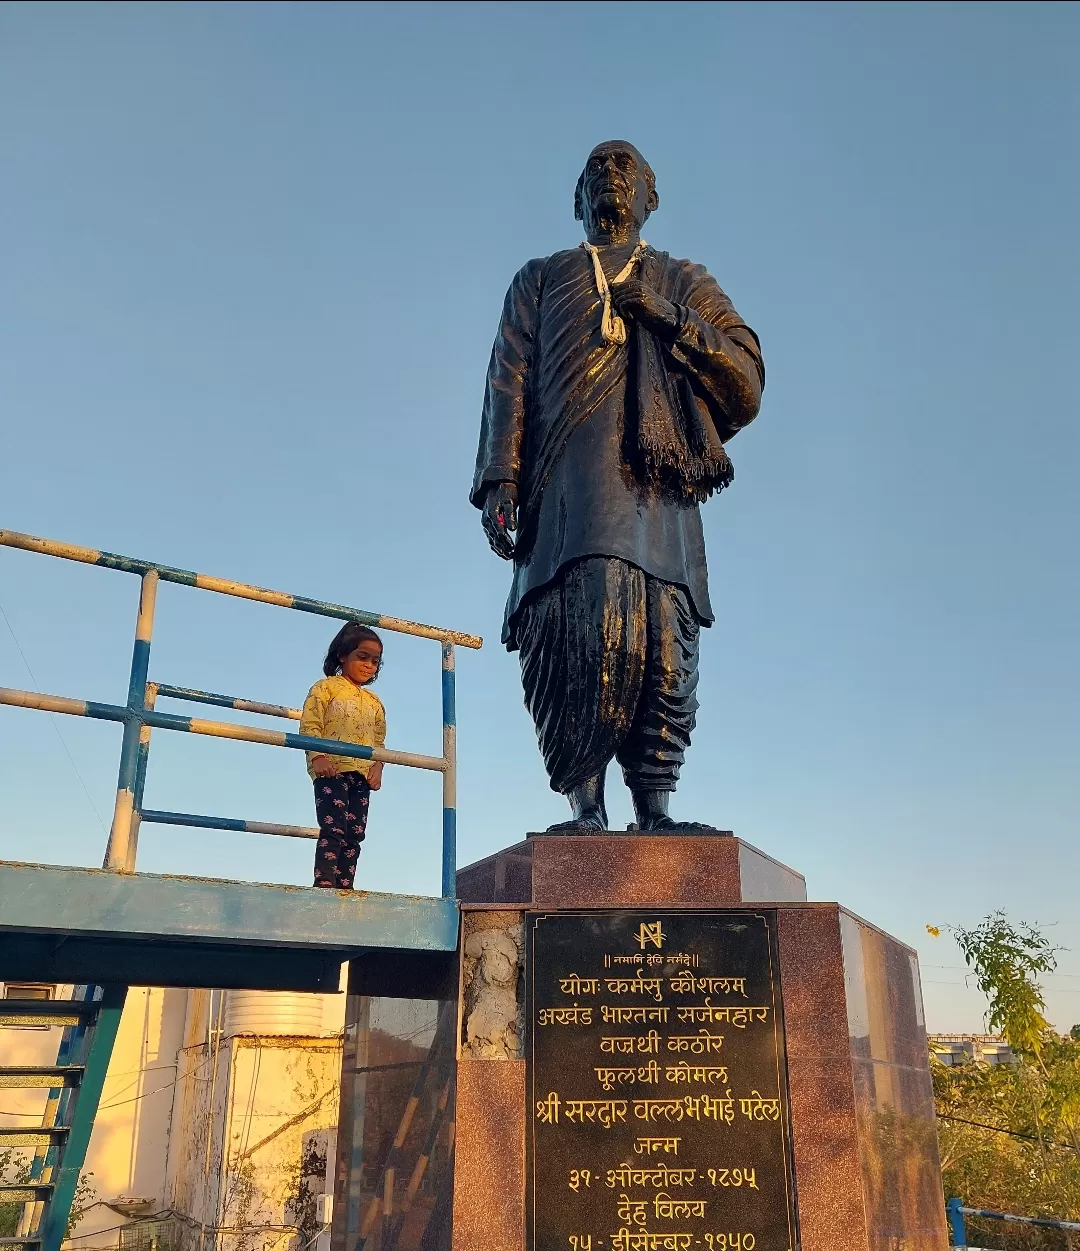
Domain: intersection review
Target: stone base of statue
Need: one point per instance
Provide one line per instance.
(664, 1045)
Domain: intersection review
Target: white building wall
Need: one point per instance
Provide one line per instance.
(128, 1148)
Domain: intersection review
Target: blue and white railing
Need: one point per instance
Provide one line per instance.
(139, 715)
(958, 1228)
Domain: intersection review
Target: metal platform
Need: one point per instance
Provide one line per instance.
(76, 925)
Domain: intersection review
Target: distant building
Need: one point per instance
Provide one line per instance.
(956, 1049)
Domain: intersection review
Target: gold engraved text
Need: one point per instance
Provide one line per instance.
(758, 1109)
(638, 1240)
(683, 1072)
(628, 1075)
(565, 1016)
(627, 1176)
(636, 985)
(633, 1016)
(574, 985)
(650, 1146)
(627, 1044)
(632, 1211)
(547, 1110)
(734, 1177)
(688, 984)
(601, 1111)
(697, 1044)
(666, 1208)
(688, 1108)
(739, 1017)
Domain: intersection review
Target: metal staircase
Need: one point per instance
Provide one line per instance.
(90, 1018)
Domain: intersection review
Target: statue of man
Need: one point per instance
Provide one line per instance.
(617, 376)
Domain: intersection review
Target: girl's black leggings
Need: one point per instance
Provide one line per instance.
(342, 807)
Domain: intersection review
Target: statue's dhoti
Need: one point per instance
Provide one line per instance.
(609, 663)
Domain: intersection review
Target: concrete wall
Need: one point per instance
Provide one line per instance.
(254, 1126)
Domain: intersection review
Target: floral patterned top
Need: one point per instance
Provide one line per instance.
(339, 709)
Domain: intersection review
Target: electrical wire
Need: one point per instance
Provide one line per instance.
(52, 719)
(1047, 1142)
(1057, 990)
(963, 968)
(146, 1094)
(166, 1213)
(315, 1239)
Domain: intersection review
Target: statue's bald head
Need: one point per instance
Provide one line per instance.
(616, 179)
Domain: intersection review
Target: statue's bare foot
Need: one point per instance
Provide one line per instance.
(593, 821)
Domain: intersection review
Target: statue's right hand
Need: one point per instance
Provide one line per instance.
(499, 517)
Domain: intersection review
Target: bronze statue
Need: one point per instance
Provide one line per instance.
(617, 376)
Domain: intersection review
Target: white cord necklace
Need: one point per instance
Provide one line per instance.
(612, 327)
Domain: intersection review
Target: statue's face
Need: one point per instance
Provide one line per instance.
(613, 186)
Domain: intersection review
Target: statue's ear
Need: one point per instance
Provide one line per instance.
(653, 202)
(579, 212)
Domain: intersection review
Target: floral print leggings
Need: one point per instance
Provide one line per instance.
(342, 807)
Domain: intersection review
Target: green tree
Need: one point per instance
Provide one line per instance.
(15, 1170)
(1010, 1134)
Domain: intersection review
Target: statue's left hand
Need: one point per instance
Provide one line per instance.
(634, 299)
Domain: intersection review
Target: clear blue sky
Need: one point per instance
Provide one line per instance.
(254, 260)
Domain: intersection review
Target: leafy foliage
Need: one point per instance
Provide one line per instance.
(15, 1170)
(1007, 959)
(1010, 1134)
(82, 1199)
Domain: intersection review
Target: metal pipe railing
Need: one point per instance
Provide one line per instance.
(194, 696)
(958, 1228)
(139, 715)
(449, 783)
(124, 834)
(198, 820)
(229, 823)
(226, 586)
(215, 729)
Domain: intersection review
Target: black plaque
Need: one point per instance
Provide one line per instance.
(657, 1084)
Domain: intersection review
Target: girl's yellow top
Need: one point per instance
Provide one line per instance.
(337, 708)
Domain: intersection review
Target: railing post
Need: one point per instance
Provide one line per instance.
(120, 853)
(954, 1209)
(140, 771)
(449, 733)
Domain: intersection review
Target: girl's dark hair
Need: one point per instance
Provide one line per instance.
(346, 641)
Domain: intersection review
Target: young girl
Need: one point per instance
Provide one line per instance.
(342, 707)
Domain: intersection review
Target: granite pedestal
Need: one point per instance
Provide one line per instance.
(863, 1135)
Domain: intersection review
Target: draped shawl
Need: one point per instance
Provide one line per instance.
(642, 425)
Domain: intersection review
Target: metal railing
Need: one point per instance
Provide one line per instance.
(958, 1228)
(139, 715)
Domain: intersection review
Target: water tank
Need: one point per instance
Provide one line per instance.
(273, 1014)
